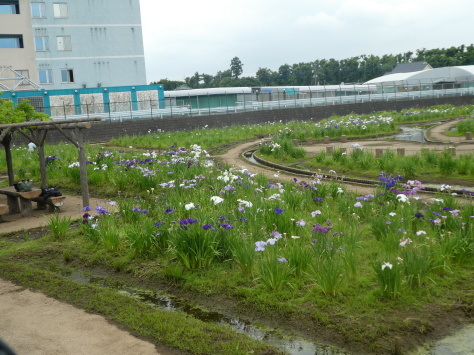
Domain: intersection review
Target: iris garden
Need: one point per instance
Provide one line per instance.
(304, 248)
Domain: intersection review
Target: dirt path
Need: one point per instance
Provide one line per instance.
(33, 324)
(71, 208)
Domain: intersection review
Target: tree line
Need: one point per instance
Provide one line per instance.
(325, 71)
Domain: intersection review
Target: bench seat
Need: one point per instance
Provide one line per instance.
(20, 202)
(54, 202)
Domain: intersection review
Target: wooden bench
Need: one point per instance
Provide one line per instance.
(54, 202)
(20, 202)
(3, 210)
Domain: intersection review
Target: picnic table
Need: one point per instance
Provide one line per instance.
(20, 202)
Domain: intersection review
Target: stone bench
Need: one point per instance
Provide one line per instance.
(3, 210)
(54, 202)
(20, 202)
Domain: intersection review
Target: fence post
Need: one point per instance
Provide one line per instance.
(209, 103)
(378, 152)
(401, 152)
(330, 149)
(452, 150)
(343, 138)
(468, 136)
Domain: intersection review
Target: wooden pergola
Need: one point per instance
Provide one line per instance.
(71, 129)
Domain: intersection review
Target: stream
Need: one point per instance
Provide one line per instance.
(157, 299)
(461, 343)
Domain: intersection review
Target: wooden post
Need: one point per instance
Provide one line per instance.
(82, 167)
(401, 152)
(378, 152)
(343, 138)
(8, 155)
(398, 346)
(329, 149)
(469, 136)
(326, 139)
(452, 150)
(42, 162)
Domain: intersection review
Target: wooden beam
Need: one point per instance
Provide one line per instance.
(72, 140)
(54, 125)
(4, 133)
(45, 123)
(30, 138)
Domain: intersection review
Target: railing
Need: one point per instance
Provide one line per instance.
(249, 102)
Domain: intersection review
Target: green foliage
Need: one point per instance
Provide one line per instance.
(59, 226)
(9, 113)
(389, 279)
(194, 248)
(357, 69)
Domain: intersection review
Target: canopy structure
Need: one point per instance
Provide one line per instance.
(72, 130)
(459, 74)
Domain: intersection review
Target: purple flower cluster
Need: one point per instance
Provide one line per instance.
(317, 228)
(389, 181)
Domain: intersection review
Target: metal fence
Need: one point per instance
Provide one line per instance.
(261, 99)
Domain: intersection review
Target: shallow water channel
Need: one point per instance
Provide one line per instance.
(412, 134)
(290, 345)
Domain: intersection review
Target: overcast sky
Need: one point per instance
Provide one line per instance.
(188, 36)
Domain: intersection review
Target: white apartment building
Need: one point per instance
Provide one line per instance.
(64, 44)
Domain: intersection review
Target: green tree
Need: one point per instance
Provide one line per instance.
(302, 74)
(266, 76)
(9, 113)
(284, 75)
(169, 85)
(236, 67)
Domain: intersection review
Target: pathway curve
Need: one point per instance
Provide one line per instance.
(437, 141)
(34, 324)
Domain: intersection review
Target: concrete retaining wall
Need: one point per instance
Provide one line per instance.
(104, 131)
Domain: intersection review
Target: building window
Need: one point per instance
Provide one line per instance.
(24, 74)
(67, 76)
(60, 10)
(9, 7)
(64, 43)
(45, 76)
(11, 41)
(42, 43)
(38, 10)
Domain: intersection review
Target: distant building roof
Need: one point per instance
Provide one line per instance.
(410, 67)
(458, 74)
(183, 87)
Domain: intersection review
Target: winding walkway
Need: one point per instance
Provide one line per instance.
(436, 140)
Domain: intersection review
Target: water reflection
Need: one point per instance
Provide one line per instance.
(159, 300)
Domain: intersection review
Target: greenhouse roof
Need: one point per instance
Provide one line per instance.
(433, 76)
